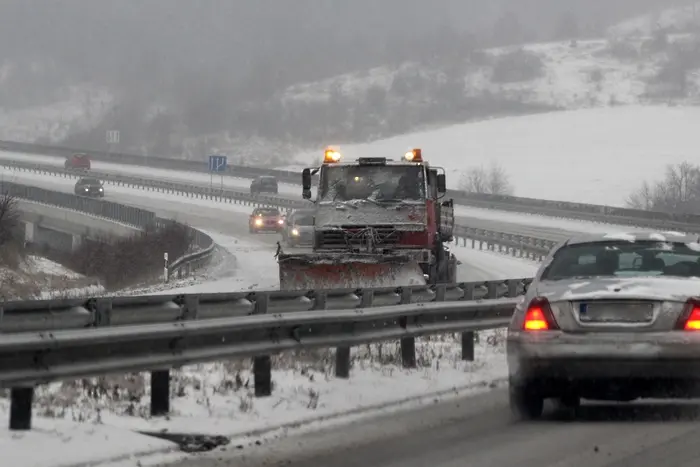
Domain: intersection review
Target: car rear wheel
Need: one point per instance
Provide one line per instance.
(525, 403)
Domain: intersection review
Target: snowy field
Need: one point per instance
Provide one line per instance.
(679, 17)
(612, 150)
(592, 156)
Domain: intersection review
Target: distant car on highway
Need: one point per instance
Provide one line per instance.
(266, 220)
(299, 228)
(89, 187)
(608, 317)
(263, 184)
(77, 161)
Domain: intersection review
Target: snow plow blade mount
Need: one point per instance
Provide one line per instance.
(347, 271)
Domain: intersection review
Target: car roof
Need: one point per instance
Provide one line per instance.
(640, 235)
(258, 209)
(267, 177)
(88, 179)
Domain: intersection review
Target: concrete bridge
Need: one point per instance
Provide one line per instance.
(63, 229)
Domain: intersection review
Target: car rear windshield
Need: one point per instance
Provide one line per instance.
(268, 181)
(268, 212)
(625, 259)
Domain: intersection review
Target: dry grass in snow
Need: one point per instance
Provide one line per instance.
(219, 397)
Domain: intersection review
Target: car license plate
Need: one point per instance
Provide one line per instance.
(616, 312)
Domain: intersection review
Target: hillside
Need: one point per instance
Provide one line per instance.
(646, 60)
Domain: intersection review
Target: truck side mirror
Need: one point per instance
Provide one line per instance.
(306, 183)
(441, 183)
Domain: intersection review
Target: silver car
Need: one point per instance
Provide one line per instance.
(608, 317)
(299, 228)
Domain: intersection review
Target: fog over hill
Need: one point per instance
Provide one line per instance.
(184, 77)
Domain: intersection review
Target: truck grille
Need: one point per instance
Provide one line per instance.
(355, 236)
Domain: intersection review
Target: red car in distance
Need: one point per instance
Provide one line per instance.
(266, 220)
(77, 161)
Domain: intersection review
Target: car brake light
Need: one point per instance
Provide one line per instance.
(538, 316)
(690, 319)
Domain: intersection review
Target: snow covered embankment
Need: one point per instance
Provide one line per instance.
(39, 278)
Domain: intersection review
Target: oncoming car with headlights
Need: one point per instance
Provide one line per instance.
(299, 228)
(608, 317)
(89, 187)
(265, 220)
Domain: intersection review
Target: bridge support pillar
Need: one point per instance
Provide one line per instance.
(29, 232)
(77, 241)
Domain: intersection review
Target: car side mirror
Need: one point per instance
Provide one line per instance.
(441, 183)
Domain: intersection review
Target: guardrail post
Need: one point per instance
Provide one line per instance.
(408, 344)
(21, 408)
(262, 365)
(342, 354)
(160, 392)
(513, 288)
(166, 273)
(468, 336)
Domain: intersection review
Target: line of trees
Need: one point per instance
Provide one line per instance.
(677, 192)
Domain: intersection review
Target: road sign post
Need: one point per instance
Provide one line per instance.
(217, 164)
(111, 138)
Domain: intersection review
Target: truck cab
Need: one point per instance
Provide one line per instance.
(376, 205)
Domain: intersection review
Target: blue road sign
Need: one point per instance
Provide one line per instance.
(217, 163)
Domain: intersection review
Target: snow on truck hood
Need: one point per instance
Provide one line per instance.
(644, 288)
(402, 216)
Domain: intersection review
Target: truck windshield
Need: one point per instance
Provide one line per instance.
(377, 183)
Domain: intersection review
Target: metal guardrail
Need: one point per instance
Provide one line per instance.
(129, 215)
(518, 244)
(584, 211)
(152, 333)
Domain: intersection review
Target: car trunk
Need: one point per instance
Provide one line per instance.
(618, 304)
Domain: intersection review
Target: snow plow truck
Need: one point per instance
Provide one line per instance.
(377, 223)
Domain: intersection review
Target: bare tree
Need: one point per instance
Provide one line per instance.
(11, 245)
(498, 180)
(678, 192)
(474, 181)
(642, 198)
(9, 218)
(494, 180)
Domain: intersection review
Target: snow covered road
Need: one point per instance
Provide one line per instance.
(229, 221)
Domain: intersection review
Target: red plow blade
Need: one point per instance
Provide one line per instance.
(352, 271)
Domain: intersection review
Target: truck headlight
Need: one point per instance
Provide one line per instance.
(295, 232)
